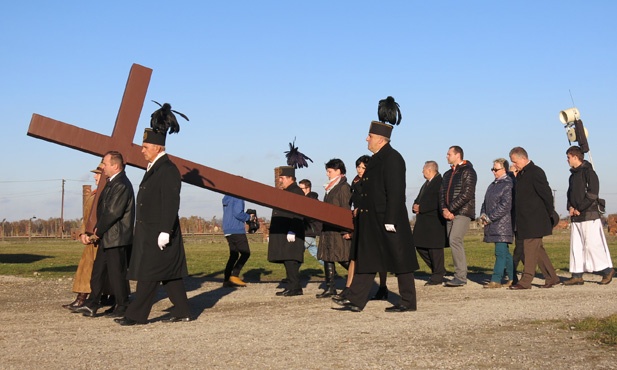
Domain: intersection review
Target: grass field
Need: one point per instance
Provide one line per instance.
(207, 255)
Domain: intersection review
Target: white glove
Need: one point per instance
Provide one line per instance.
(163, 240)
(291, 237)
(390, 228)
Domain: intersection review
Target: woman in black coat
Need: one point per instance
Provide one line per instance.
(334, 243)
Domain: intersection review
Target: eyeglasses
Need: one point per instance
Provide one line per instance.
(496, 169)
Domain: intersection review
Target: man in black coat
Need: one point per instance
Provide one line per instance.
(115, 214)
(429, 233)
(286, 241)
(382, 240)
(535, 217)
(158, 256)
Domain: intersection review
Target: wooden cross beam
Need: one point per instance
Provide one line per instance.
(192, 173)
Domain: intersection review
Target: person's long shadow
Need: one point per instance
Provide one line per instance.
(208, 299)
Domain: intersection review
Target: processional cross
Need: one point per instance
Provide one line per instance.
(192, 173)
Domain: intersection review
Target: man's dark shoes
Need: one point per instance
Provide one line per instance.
(432, 282)
(551, 284)
(176, 319)
(341, 301)
(341, 295)
(114, 314)
(86, 311)
(518, 287)
(348, 307)
(125, 321)
(326, 293)
(289, 292)
(292, 292)
(455, 283)
(606, 279)
(400, 308)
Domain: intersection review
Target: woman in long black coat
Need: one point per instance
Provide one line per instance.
(334, 243)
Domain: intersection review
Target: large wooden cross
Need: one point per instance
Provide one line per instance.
(196, 174)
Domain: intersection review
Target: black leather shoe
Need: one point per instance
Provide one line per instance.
(292, 292)
(348, 307)
(432, 282)
(125, 321)
(86, 311)
(326, 293)
(114, 314)
(341, 301)
(282, 293)
(176, 319)
(400, 308)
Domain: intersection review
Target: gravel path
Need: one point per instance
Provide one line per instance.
(454, 328)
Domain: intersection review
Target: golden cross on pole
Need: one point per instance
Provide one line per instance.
(192, 173)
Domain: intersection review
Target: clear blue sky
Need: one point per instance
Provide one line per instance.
(252, 75)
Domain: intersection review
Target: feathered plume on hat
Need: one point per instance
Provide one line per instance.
(389, 111)
(163, 119)
(295, 158)
(389, 114)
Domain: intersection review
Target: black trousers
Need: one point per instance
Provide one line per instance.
(292, 268)
(140, 308)
(434, 259)
(110, 263)
(239, 253)
(360, 289)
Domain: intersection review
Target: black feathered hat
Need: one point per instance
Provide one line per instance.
(154, 137)
(389, 114)
(288, 171)
(380, 128)
(295, 158)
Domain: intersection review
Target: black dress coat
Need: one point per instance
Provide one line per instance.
(332, 246)
(430, 228)
(383, 202)
(158, 202)
(281, 223)
(533, 203)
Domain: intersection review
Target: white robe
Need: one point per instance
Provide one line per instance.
(588, 247)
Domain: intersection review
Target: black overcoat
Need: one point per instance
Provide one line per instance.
(281, 223)
(430, 228)
(533, 203)
(158, 202)
(383, 202)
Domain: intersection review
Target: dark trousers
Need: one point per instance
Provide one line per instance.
(435, 260)
(110, 263)
(360, 288)
(535, 255)
(239, 253)
(140, 308)
(292, 268)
